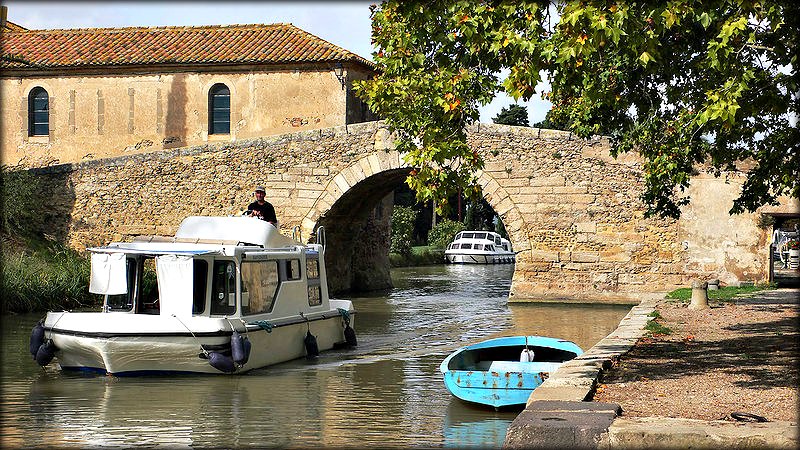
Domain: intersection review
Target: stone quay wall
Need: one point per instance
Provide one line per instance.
(572, 212)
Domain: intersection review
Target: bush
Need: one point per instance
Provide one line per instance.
(403, 219)
(52, 278)
(419, 256)
(443, 233)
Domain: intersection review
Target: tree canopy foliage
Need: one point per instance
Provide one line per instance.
(512, 115)
(688, 85)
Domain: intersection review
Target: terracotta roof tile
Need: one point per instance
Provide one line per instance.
(278, 43)
(11, 26)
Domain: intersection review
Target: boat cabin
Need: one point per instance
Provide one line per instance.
(480, 240)
(237, 267)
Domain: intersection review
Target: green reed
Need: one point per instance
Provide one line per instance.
(49, 277)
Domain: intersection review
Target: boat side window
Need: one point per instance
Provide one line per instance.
(478, 246)
(260, 283)
(292, 268)
(489, 247)
(200, 286)
(223, 288)
(466, 246)
(312, 274)
(148, 290)
(480, 235)
(124, 302)
(458, 236)
(469, 235)
(497, 240)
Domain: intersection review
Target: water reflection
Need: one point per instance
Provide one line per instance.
(386, 393)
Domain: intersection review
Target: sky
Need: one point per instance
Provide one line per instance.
(344, 23)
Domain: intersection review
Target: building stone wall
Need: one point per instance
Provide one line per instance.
(100, 115)
(572, 212)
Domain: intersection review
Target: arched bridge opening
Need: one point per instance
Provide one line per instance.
(358, 233)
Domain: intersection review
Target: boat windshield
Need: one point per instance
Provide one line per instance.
(259, 286)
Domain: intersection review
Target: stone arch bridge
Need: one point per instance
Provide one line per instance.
(572, 212)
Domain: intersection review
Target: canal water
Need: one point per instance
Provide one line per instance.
(387, 392)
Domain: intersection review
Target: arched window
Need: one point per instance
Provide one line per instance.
(219, 109)
(38, 112)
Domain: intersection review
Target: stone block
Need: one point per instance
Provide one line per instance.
(561, 424)
(553, 180)
(584, 257)
(542, 255)
(341, 183)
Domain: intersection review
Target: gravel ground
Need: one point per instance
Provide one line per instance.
(737, 356)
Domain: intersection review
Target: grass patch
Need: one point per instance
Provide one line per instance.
(654, 327)
(722, 294)
(41, 275)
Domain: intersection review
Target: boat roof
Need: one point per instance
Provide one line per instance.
(247, 230)
(490, 235)
(199, 235)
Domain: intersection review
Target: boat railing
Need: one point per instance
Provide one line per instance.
(321, 236)
(297, 234)
(171, 239)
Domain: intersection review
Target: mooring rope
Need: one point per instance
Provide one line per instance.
(205, 352)
(263, 324)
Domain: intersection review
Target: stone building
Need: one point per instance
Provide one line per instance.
(70, 95)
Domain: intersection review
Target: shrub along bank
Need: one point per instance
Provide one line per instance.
(418, 256)
(36, 274)
(40, 275)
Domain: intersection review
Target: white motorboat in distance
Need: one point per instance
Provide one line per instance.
(225, 295)
(479, 247)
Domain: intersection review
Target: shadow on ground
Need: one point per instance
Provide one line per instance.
(767, 352)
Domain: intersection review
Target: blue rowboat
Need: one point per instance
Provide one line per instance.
(503, 372)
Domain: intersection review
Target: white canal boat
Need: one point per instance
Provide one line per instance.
(225, 295)
(479, 247)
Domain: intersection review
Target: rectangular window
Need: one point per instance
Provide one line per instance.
(314, 297)
(469, 235)
(147, 294)
(259, 286)
(200, 285)
(466, 246)
(124, 302)
(480, 235)
(292, 269)
(223, 288)
(312, 268)
(41, 118)
(478, 246)
(312, 274)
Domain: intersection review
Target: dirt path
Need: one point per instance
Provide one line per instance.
(739, 356)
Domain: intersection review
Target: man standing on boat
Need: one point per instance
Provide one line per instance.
(262, 208)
